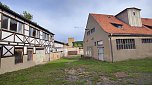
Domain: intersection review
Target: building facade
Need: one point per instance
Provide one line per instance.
(59, 50)
(22, 42)
(120, 37)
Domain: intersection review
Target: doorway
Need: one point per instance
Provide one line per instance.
(101, 53)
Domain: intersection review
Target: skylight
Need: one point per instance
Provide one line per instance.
(148, 26)
(117, 25)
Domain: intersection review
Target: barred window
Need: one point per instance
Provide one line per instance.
(125, 44)
(147, 40)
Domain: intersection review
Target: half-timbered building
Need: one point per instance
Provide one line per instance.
(23, 43)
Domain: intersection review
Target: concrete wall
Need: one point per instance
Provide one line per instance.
(123, 17)
(99, 34)
(40, 54)
(142, 49)
(128, 17)
(8, 64)
(55, 56)
(134, 20)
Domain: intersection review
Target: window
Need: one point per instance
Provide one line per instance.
(100, 43)
(43, 36)
(37, 34)
(13, 25)
(20, 27)
(125, 44)
(32, 32)
(147, 40)
(134, 13)
(5, 22)
(93, 30)
(18, 55)
(29, 54)
(47, 36)
(88, 33)
(117, 25)
(95, 43)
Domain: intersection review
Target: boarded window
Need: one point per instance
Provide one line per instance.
(5, 22)
(18, 55)
(125, 44)
(29, 54)
(13, 25)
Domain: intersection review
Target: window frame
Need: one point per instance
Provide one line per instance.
(18, 23)
(10, 29)
(146, 40)
(2, 15)
(125, 44)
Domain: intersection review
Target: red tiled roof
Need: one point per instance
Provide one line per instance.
(106, 20)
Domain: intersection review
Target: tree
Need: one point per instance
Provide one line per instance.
(27, 15)
(4, 5)
(75, 44)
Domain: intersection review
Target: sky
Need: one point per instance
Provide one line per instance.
(68, 18)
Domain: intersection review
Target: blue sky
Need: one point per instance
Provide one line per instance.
(68, 18)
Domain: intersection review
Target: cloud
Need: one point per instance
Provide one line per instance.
(61, 16)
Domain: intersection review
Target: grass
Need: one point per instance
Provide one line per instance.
(77, 71)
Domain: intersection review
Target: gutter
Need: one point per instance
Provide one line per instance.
(111, 47)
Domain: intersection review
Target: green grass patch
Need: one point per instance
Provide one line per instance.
(76, 71)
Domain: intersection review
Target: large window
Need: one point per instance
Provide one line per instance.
(147, 40)
(13, 25)
(29, 54)
(125, 44)
(5, 22)
(18, 55)
(20, 27)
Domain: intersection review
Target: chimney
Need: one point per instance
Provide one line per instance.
(130, 16)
